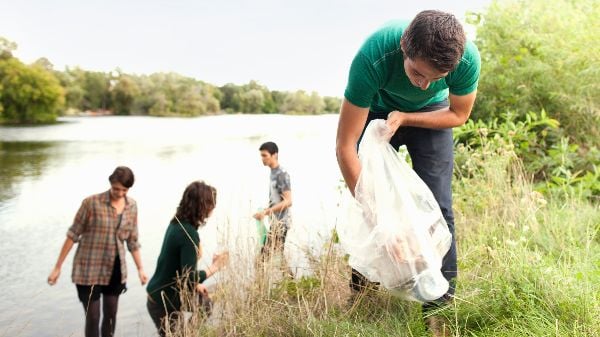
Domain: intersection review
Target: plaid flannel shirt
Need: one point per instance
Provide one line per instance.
(100, 236)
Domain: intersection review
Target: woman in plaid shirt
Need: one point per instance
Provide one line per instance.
(103, 223)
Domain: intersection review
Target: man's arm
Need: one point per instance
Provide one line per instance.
(455, 115)
(282, 205)
(278, 207)
(350, 125)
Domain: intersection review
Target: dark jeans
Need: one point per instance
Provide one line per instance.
(275, 239)
(159, 314)
(432, 155)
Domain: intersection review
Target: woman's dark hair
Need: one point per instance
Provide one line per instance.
(198, 200)
(436, 37)
(123, 175)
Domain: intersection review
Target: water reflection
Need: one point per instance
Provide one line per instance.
(45, 172)
(20, 161)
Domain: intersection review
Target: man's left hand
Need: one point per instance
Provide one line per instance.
(394, 121)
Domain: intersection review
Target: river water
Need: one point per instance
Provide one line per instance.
(45, 172)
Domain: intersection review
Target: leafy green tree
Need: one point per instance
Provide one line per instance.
(96, 88)
(161, 105)
(190, 102)
(29, 94)
(123, 94)
(332, 104)
(72, 82)
(252, 101)
(44, 63)
(230, 97)
(170, 94)
(278, 99)
(6, 48)
(299, 102)
(539, 54)
(210, 96)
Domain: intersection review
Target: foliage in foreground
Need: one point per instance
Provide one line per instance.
(528, 267)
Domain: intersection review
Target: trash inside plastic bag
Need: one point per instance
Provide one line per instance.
(393, 230)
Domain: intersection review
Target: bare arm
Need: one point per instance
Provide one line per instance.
(286, 202)
(137, 258)
(455, 115)
(218, 262)
(64, 251)
(350, 125)
(278, 207)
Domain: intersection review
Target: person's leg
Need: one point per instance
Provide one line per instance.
(276, 236)
(90, 298)
(280, 234)
(110, 300)
(358, 282)
(432, 155)
(92, 319)
(110, 305)
(158, 314)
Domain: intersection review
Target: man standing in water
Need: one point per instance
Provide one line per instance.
(280, 200)
(421, 77)
(103, 222)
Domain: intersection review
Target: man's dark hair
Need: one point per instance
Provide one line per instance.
(269, 147)
(123, 175)
(436, 37)
(198, 200)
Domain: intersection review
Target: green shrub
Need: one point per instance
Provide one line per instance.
(538, 55)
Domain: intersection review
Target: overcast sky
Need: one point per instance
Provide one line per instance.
(285, 45)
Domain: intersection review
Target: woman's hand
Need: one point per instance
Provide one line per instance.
(143, 277)
(54, 275)
(220, 260)
(201, 289)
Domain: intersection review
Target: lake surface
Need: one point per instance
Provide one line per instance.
(46, 171)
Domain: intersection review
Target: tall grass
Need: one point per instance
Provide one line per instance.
(528, 266)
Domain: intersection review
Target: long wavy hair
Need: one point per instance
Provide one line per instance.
(197, 202)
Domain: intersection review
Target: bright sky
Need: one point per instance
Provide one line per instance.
(285, 45)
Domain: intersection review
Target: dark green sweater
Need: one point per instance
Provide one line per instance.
(178, 257)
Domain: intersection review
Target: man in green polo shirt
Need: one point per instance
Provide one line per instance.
(421, 77)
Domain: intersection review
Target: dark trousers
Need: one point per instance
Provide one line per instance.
(162, 316)
(275, 238)
(432, 155)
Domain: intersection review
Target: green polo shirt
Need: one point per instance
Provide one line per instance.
(378, 80)
(178, 255)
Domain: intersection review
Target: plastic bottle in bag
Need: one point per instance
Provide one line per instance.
(393, 230)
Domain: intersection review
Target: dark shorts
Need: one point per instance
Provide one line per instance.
(91, 293)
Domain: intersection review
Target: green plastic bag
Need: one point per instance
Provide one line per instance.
(262, 230)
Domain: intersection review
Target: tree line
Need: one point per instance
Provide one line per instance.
(36, 93)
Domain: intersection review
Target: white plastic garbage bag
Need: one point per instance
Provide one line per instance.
(393, 230)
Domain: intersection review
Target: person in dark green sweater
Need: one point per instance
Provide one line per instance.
(176, 276)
